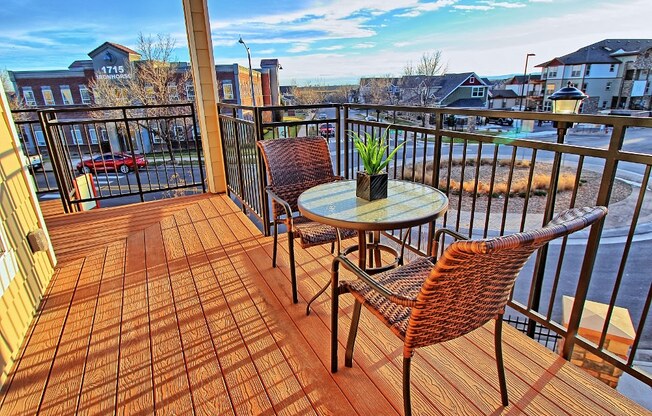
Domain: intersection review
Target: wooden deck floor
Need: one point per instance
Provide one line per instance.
(174, 308)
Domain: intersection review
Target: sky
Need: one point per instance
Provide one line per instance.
(328, 42)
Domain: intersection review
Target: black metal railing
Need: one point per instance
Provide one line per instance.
(500, 178)
(115, 155)
(32, 142)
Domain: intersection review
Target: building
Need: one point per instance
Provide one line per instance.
(615, 73)
(449, 90)
(113, 62)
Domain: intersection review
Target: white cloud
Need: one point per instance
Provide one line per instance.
(503, 4)
(266, 51)
(332, 48)
(364, 45)
(540, 1)
(475, 7)
(299, 47)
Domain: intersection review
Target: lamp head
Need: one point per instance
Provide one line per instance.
(567, 100)
(240, 40)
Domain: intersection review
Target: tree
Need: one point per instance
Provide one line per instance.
(430, 65)
(155, 80)
(309, 94)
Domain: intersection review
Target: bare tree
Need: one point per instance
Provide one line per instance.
(156, 80)
(431, 64)
(308, 95)
(419, 83)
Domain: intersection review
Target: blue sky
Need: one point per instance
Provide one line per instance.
(327, 42)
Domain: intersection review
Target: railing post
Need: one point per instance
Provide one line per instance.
(338, 135)
(604, 194)
(262, 177)
(238, 162)
(55, 159)
(133, 155)
(542, 254)
(346, 143)
(199, 151)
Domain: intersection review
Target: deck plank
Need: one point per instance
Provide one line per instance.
(171, 388)
(98, 393)
(64, 385)
(208, 389)
(190, 317)
(134, 384)
(24, 391)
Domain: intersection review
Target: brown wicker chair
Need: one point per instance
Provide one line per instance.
(293, 166)
(429, 301)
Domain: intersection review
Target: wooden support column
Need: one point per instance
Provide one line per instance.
(203, 74)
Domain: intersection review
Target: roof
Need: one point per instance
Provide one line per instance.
(520, 79)
(467, 103)
(81, 64)
(442, 85)
(503, 94)
(114, 45)
(603, 52)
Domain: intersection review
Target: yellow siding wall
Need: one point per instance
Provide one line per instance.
(18, 215)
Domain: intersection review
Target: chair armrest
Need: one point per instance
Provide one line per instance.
(438, 234)
(286, 206)
(362, 275)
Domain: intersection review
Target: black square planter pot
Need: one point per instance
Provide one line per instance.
(371, 187)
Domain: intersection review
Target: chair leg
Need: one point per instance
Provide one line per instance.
(335, 305)
(318, 294)
(353, 332)
(499, 360)
(275, 244)
(407, 402)
(293, 269)
(332, 247)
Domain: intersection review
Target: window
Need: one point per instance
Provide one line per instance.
(149, 91)
(552, 72)
(607, 87)
(179, 133)
(612, 67)
(104, 134)
(227, 88)
(92, 133)
(85, 94)
(585, 86)
(629, 75)
(190, 91)
(28, 95)
(588, 70)
(472, 80)
(48, 98)
(604, 104)
(576, 70)
(477, 92)
(547, 106)
(77, 137)
(173, 93)
(66, 95)
(550, 89)
(40, 138)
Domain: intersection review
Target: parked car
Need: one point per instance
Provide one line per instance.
(327, 130)
(35, 163)
(116, 162)
(370, 118)
(503, 121)
(322, 116)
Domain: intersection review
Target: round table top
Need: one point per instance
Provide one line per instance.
(407, 204)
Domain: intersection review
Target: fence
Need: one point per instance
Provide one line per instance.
(499, 180)
(125, 154)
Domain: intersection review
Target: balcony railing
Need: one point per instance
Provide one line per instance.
(498, 180)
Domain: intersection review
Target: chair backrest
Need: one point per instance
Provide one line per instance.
(295, 165)
(470, 284)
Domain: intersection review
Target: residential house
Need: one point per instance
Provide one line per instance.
(502, 99)
(615, 73)
(450, 90)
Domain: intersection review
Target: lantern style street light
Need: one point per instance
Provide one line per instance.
(567, 100)
(251, 76)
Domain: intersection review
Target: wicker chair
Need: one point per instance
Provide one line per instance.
(429, 301)
(293, 166)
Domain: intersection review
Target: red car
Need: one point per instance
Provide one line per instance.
(327, 130)
(116, 162)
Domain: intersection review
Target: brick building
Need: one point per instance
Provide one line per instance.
(111, 61)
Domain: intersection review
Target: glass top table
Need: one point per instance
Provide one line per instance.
(408, 204)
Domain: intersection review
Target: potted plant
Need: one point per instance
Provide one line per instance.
(372, 182)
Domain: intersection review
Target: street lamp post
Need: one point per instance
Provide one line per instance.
(527, 57)
(251, 76)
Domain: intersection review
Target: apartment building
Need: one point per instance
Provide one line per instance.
(615, 73)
